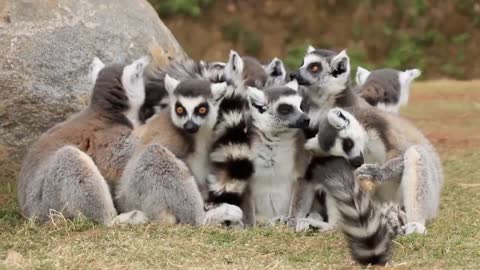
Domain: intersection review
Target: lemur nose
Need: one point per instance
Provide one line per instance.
(306, 121)
(357, 161)
(293, 75)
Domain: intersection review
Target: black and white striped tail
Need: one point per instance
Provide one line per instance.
(365, 225)
(231, 154)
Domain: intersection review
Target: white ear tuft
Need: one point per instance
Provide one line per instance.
(413, 73)
(362, 75)
(140, 65)
(256, 96)
(276, 68)
(310, 49)
(235, 64)
(312, 144)
(170, 84)
(218, 90)
(95, 68)
(341, 63)
(293, 84)
(338, 118)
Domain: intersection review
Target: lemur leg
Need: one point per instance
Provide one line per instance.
(372, 175)
(248, 208)
(158, 183)
(301, 204)
(74, 186)
(420, 189)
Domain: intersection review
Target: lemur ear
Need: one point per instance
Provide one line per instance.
(234, 66)
(137, 67)
(338, 118)
(170, 84)
(276, 68)
(95, 68)
(310, 49)
(362, 75)
(409, 75)
(293, 84)
(340, 64)
(218, 90)
(257, 97)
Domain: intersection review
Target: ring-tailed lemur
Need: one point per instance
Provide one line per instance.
(326, 75)
(170, 142)
(278, 148)
(403, 169)
(70, 167)
(386, 89)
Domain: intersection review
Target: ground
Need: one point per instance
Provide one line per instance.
(448, 112)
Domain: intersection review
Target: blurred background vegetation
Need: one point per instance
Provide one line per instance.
(439, 37)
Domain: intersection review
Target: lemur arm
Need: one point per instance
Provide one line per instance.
(372, 175)
(392, 168)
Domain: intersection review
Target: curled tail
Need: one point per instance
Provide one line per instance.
(366, 226)
(231, 154)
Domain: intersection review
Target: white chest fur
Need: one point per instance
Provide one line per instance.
(198, 160)
(274, 176)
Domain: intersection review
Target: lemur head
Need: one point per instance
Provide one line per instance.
(276, 72)
(119, 91)
(278, 107)
(246, 70)
(324, 70)
(194, 103)
(400, 80)
(341, 135)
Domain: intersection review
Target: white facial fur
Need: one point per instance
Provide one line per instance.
(191, 103)
(348, 128)
(270, 120)
(95, 68)
(234, 67)
(362, 75)
(132, 81)
(406, 78)
(324, 79)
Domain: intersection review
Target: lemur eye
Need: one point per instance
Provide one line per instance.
(285, 109)
(314, 67)
(179, 110)
(347, 145)
(202, 110)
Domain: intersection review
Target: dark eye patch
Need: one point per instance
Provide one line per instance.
(202, 109)
(315, 67)
(179, 109)
(347, 145)
(285, 109)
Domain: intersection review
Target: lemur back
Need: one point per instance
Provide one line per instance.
(386, 89)
(70, 167)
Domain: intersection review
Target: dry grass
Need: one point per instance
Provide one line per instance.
(448, 111)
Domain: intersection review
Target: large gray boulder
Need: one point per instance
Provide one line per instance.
(46, 48)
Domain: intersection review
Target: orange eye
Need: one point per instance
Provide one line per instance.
(179, 110)
(314, 68)
(202, 110)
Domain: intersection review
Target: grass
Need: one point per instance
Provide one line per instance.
(448, 111)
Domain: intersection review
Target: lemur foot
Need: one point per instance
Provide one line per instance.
(313, 221)
(369, 176)
(225, 214)
(134, 217)
(414, 227)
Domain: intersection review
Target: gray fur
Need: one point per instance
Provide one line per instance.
(159, 184)
(70, 167)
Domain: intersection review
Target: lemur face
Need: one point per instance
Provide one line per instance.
(194, 103)
(278, 107)
(340, 135)
(324, 69)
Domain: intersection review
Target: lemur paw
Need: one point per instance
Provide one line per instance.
(414, 227)
(304, 224)
(281, 220)
(134, 217)
(369, 176)
(225, 214)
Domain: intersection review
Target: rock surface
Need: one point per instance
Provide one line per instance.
(46, 48)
